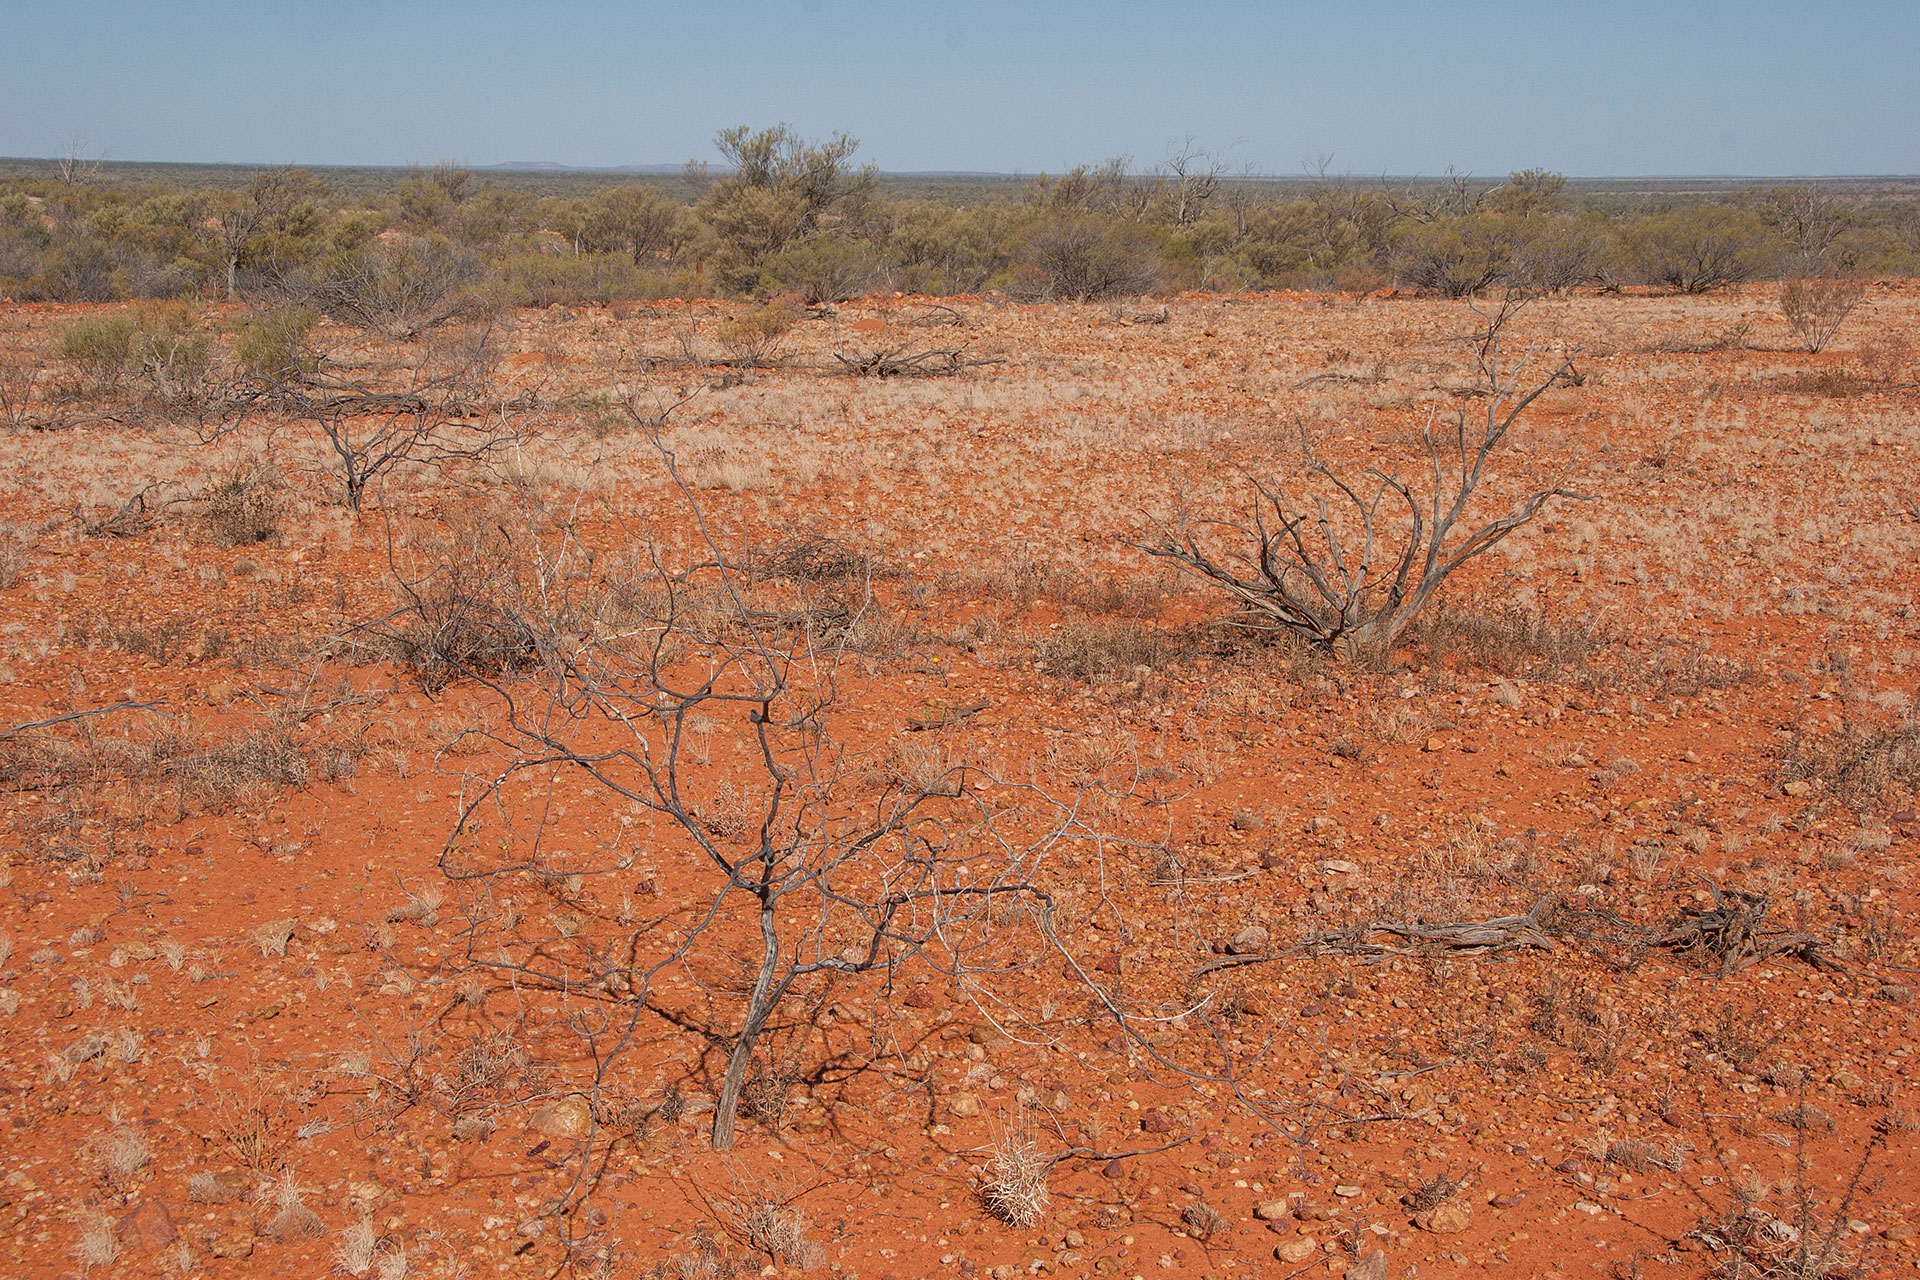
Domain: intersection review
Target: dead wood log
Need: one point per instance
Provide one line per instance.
(900, 362)
(920, 724)
(1733, 934)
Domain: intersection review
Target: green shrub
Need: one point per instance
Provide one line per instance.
(1698, 250)
(102, 339)
(546, 279)
(273, 344)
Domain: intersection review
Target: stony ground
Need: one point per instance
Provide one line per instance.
(1574, 936)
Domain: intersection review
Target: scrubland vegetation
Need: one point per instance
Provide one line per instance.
(789, 215)
(1412, 779)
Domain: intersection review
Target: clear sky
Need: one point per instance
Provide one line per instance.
(1606, 87)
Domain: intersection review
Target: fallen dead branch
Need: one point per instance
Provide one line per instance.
(920, 724)
(79, 715)
(1733, 932)
(901, 362)
(1467, 938)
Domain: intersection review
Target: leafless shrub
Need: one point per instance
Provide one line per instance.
(244, 506)
(1862, 767)
(24, 402)
(1816, 306)
(1801, 1242)
(1355, 583)
(851, 869)
(465, 609)
(399, 290)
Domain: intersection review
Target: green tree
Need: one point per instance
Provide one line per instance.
(1700, 249)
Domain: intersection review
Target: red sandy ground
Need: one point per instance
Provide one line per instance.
(1746, 550)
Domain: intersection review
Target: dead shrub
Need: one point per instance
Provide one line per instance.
(1862, 768)
(244, 506)
(1816, 307)
(465, 614)
(752, 338)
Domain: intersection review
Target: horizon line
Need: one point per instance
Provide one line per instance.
(670, 168)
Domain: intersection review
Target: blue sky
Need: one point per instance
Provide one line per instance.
(1589, 89)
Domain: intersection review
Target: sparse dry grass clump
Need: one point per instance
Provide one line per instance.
(1094, 651)
(99, 1244)
(1016, 1183)
(272, 937)
(291, 1220)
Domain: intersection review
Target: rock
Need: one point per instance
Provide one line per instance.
(1249, 941)
(148, 1227)
(1273, 1211)
(473, 1128)
(567, 1118)
(1005, 1271)
(983, 1034)
(1346, 1190)
(1899, 1232)
(1321, 826)
(1798, 787)
(232, 1247)
(1371, 1267)
(1340, 867)
(1448, 1218)
(964, 1106)
(1157, 1121)
(1434, 744)
(1506, 1199)
(1296, 1249)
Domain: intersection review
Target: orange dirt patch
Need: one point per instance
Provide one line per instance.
(253, 1025)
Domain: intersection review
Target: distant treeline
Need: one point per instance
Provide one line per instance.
(790, 216)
